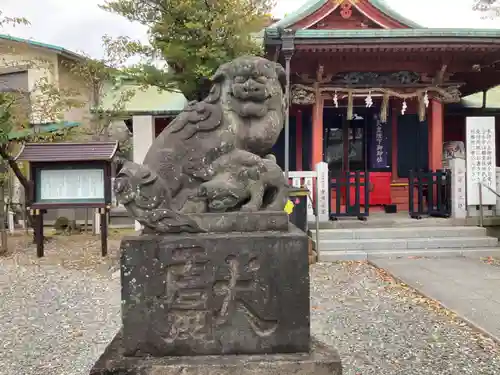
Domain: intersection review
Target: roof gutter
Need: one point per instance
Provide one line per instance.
(386, 41)
(55, 49)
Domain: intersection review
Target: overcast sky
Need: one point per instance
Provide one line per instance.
(78, 25)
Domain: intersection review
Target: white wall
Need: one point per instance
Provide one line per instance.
(143, 134)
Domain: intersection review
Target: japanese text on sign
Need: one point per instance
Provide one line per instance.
(481, 161)
(378, 145)
(481, 154)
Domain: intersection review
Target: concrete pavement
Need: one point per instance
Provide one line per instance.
(467, 286)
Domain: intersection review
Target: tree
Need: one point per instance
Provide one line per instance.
(193, 36)
(20, 110)
(489, 8)
(102, 80)
(49, 105)
(13, 21)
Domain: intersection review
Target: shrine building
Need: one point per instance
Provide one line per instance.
(373, 91)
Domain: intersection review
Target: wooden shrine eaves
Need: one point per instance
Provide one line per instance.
(61, 152)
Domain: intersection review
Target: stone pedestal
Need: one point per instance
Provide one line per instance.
(321, 360)
(215, 293)
(235, 299)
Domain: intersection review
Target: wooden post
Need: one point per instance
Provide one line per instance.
(436, 135)
(317, 131)
(86, 227)
(38, 232)
(317, 120)
(298, 140)
(104, 231)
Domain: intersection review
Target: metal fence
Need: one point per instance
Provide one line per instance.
(349, 194)
(429, 193)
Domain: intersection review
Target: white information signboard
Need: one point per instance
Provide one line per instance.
(68, 185)
(323, 186)
(481, 164)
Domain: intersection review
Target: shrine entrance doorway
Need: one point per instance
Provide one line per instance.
(345, 141)
(358, 153)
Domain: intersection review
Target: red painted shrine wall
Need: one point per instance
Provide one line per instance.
(161, 123)
(454, 128)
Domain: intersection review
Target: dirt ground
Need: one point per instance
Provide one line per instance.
(76, 251)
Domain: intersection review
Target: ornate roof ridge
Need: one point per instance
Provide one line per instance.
(312, 6)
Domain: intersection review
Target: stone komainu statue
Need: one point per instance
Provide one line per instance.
(215, 156)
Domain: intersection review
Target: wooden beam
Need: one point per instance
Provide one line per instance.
(403, 87)
(306, 78)
(438, 80)
(319, 73)
(462, 111)
(373, 62)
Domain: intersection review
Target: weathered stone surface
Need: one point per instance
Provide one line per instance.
(214, 157)
(243, 112)
(204, 294)
(239, 222)
(322, 360)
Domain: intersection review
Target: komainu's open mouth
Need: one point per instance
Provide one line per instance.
(253, 109)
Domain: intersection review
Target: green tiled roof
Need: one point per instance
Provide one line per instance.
(50, 47)
(390, 33)
(312, 6)
(383, 7)
(45, 128)
(476, 100)
(305, 10)
(149, 100)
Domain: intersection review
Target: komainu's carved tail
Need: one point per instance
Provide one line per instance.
(169, 221)
(147, 198)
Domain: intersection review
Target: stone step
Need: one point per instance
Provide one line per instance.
(354, 255)
(389, 221)
(387, 244)
(397, 233)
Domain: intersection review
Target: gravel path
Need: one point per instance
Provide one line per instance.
(54, 321)
(57, 314)
(56, 318)
(381, 327)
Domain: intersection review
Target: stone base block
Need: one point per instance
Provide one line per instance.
(240, 222)
(321, 361)
(215, 293)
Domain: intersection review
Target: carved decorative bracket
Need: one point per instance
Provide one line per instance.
(379, 79)
(302, 96)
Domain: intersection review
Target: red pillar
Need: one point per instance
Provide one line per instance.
(298, 139)
(317, 131)
(436, 127)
